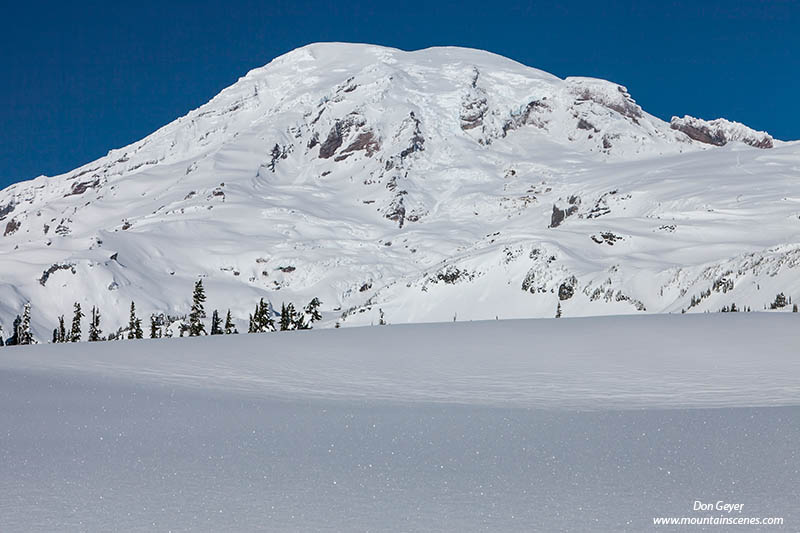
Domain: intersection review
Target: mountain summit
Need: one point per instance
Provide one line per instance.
(439, 184)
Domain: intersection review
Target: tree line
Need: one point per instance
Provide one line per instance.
(262, 320)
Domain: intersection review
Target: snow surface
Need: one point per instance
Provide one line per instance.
(421, 184)
(594, 424)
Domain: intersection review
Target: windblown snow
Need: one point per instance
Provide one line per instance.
(586, 424)
(430, 185)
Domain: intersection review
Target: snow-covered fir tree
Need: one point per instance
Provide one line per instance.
(230, 328)
(155, 325)
(134, 324)
(312, 310)
(14, 339)
(288, 317)
(216, 323)
(780, 302)
(62, 329)
(25, 336)
(261, 320)
(75, 330)
(95, 333)
(300, 322)
(198, 312)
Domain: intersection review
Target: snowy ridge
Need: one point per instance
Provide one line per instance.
(721, 132)
(429, 185)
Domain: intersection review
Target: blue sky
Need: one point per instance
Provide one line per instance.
(80, 78)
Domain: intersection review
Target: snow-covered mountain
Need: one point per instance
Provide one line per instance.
(430, 185)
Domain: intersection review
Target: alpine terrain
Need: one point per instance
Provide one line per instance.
(436, 185)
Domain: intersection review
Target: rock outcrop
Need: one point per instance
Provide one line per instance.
(720, 132)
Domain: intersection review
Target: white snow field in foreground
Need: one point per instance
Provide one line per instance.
(592, 424)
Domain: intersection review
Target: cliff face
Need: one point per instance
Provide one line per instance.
(720, 132)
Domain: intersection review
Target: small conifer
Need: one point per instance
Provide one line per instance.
(198, 312)
(75, 330)
(95, 333)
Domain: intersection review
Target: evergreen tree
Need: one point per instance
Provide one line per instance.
(55, 335)
(779, 303)
(300, 322)
(261, 320)
(216, 323)
(2, 336)
(276, 154)
(230, 328)
(283, 321)
(288, 318)
(312, 310)
(75, 331)
(14, 339)
(25, 336)
(259, 317)
(95, 333)
(62, 330)
(119, 335)
(382, 319)
(267, 322)
(198, 312)
(155, 330)
(134, 325)
(558, 310)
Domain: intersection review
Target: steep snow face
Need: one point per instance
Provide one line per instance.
(430, 185)
(720, 132)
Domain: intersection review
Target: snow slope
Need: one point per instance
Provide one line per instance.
(582, 363)
(587, 424)
(430, 184)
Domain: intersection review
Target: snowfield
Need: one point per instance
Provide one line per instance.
(586, 424)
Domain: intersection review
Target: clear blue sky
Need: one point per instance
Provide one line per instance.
(79, 78)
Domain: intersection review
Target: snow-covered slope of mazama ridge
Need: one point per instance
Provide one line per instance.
(587, 424)
(430, 185)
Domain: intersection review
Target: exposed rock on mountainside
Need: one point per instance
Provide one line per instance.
(720, 132)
